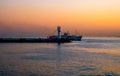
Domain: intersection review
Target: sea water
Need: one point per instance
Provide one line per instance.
(93, 56)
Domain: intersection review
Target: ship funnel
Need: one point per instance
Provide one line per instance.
(59, 32)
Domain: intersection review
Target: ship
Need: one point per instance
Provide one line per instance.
(65, 38)
(68, 36)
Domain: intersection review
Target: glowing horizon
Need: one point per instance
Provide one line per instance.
(89, 17)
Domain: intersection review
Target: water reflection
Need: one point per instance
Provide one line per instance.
(58, 58)
(73, 59)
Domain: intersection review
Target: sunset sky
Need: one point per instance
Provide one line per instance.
(34, 18)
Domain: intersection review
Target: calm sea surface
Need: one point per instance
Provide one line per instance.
(90, 57)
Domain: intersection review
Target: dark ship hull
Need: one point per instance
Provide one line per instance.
(76, 38)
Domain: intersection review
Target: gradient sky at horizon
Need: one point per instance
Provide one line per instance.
(20, 18)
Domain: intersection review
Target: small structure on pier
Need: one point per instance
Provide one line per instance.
(59, 32)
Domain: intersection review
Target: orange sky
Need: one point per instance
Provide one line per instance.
(88, 17)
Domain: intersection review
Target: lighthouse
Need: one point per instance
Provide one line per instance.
(59, 32)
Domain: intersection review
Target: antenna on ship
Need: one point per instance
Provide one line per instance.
(59, 32)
